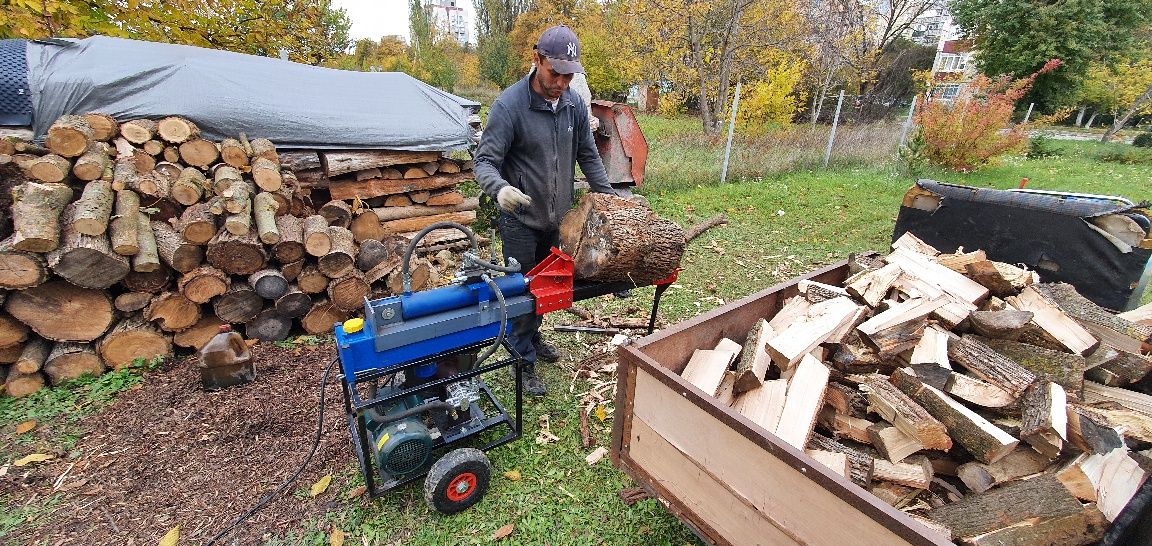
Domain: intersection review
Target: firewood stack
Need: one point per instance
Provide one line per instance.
(127, 238)
(986, 405)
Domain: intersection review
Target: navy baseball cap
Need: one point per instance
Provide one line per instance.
(560, 45)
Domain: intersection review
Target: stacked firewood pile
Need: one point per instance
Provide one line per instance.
(991, 407)
(127, 238)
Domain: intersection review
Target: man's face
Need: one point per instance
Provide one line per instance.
(547, 82)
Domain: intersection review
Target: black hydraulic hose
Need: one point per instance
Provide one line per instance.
(405, 273)
(489, 265)
(503, 321)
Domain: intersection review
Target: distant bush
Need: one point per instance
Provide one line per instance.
(1143, 140)
(1041, 147)
(1127, 155)
(973, 130)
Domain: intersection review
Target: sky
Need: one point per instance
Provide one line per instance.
(375, 18)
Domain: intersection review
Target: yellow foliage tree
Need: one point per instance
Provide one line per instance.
(770, 102)
(1123, 89)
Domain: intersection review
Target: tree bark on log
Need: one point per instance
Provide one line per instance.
(172, 312)
(33, 355)
(104, 127)
(268, 325)
(197, 224)
(262, 147)
(36, 212)
(203, 283)
(233, 153)
(200, 333)
(341, 258)
(60, 311)
(268, 283)
(311, 280)
(148, 257)
(12, 330)
(176, 130)
(133, 338)
(152, 282)
(613, 239)
(322, 317)
(9, 355)
(19, 269)
(419, 270)
(338, 163)
(84, 260)
(291, 270)
(1038, 498)
(92, 164)
(989, 365)
(420, 222)
(240, 222)
(236, 254)
(18, 385)
(123, 230)
(348, 292)
(266, 174)
(294, 303)
(316, 240)
(1065, 368)
(377, 187)
(130, 302)
(264, 211)
(174, 250)
(905, 414)
(93, 209)
(290, 247)
(374, 251)
(69, 360)
(69, 136)
(190, 186)
(239, 304)
(336, 213)
(49, 168)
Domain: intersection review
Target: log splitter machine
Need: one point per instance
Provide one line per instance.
(412, 367)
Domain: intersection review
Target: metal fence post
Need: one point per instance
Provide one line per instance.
(908, 122)
(731, 126)
(832, 134)
(1029, 114)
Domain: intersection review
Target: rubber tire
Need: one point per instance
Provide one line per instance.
(453, 464)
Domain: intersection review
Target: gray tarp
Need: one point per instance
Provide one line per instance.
(294, 105)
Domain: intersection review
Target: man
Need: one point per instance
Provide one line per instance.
(536, 133)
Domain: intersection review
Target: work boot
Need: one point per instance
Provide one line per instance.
(546, 351)
(626, 293)
(530, 382)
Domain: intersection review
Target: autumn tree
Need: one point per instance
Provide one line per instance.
(1019, 36)
(1123, 89)
(701, 48)
(310, 31)
(494, 20)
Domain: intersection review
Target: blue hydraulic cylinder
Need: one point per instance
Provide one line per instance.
(449, 298)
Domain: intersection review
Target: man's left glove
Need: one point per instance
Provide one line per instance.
(510, 198)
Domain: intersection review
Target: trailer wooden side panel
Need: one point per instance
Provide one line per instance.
(729, 479)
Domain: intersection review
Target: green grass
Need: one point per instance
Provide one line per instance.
(787, 216)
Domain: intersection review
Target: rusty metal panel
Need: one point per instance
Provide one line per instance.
(621, 144)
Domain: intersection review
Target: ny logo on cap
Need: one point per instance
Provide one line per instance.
(571, 49)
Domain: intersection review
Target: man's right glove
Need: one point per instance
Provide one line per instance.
(509, 198)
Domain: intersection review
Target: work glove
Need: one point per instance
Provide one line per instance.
(594, 123)
(510, 198)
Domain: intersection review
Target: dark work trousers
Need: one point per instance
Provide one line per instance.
(529, 247)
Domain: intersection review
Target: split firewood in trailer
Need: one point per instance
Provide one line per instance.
(132, 339)
(959, 287)
(824, 322)
(1049, 317)
(804, 399)
(837, 462)
(104, 127)
(915, 472)
(764, 404)
(1044, 423)
(1021, 463)
(958, 261)
(36, 209)
(1026, 512)
(932, 348)
(752, 367)
(816, 292)
(1114, 478)
(872, 286)
(989, 365)
(1006, 324)
(85, 260)
(905, 414)
(60, 311)
(1108, 328)
(1091, 431)
(842, 425)
(860, 464)
(1063, 367)
(975, 391)
(982, 439)
(1116, 368)
(706, 368)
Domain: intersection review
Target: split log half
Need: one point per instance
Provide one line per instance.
(84, 260)
(239, 304)
(613, 239)
(236, 254)
(36, 209)
(377, 187)
(133, 339)
(338, 163)
(203, 283)
(178, 253)
(60, 311)
(19, 269)
(172, 312)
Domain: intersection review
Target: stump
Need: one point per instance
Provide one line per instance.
(613, 239)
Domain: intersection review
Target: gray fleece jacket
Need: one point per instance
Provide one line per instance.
(529, 146)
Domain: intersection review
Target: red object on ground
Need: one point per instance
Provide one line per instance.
(1023, 182)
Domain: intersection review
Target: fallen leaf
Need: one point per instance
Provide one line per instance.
(33, 458)
(25, 426)
(601, 414)
(336, 538)
(171, 537)
(503, 532)
(357, 491)
(513, 475)
(321, 485)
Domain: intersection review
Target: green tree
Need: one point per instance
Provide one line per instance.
(1019, 36)
(494, 20)
(429, 49)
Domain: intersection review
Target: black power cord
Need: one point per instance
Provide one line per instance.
(291, 479)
